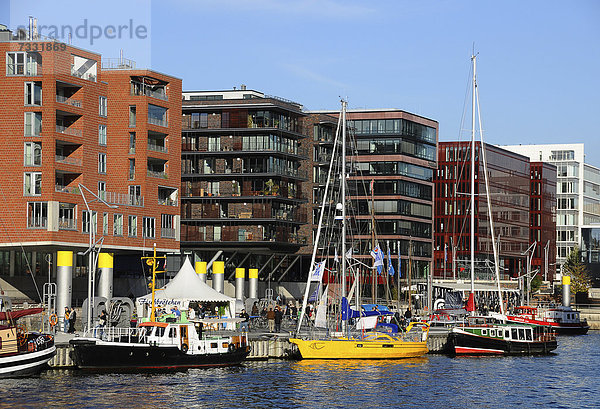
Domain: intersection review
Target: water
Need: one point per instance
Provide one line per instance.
(567, 379)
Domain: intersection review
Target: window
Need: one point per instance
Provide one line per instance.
(203, 120)
(214, 143)
(102, 163)
(132, 142)
(157, 115)
(132, 116)
(105, 224)
(166, 226)
(148, 227)
(33, 154)
(66, 216)
(135, 195)
(32, 184)
(102, 190)
(132, 223)
(21, 63)
(33, 93)
(85, 221)
(131, 169)
(102, 135)
(118, 224)
(37, 214)
(33, 123)
(102, 106)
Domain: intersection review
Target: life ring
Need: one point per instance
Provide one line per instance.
(53, 320)
(231, 348)
(21, 334)
(184, 348)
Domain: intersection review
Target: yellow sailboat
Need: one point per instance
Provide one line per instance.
(362, 341)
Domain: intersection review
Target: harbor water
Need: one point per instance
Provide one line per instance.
(566, 379)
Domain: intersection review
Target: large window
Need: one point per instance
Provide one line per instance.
(102, 190)
(37, 215)
(22, 63)
(148, 228)
(105, 224)
(33, 123)
(132, 116)
(102, 103)
(102, 163)
(66, 216)
(102, 135)
(32, 183)
(135, 195)
(118, 224)
(33, 93)
(85, 221)
(33, 154)
(132, 226)
(157, 115)
(166, 226)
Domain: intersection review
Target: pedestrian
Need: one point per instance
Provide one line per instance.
(191, 313)
(175, 311)
(255, 309)
(72, 318)
(271, 319)
(66, 320)
(408, 314)
(244, 323)
(278, 318)
(102, 318)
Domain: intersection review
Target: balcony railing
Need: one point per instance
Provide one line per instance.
(167, 201)
(137, 88)
(67, 224)
(68, 131)
(157, 174)
(159, 122)
(157, 148)
(167, 233)
(68, 160)
(86, 76)
(124, 199)
(68, 101)
(37, 222)
(66, 189)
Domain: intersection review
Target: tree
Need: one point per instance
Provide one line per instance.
(574, 267)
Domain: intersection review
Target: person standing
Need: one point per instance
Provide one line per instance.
(271, 319)
(102, 318)
(278, 318)
(66, 320)
(72, 318)
(244, 323)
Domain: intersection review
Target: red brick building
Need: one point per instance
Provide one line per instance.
(69, 126)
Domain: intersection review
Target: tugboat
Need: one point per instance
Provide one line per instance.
(176, 344)
(23, 353)
(487, 336)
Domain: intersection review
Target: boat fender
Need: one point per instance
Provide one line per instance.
(184, 348)
(231, 348)
(53, 320)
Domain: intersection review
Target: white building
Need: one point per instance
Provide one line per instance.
(577, 191)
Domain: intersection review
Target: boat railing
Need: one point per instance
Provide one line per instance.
(118, 334)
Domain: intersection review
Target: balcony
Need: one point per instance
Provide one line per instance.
(157, 174)
(68, 160)
(124, 199)
(68, 131)
(69, 101)
(66, 189)
(167, 201)
(159, 122)
(167, 233)
(67, 224)
(154, 91)
(37, 222)
(156, 148)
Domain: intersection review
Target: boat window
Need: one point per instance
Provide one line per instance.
(484, 332)
(492, 333)
(506, 334)
(173, 332)
(184, 331)
(159, 331)
(225, 345)
(521, 333)
(529, 334)
(514, 333)
(214, 345)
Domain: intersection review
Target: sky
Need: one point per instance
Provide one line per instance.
(538, 61)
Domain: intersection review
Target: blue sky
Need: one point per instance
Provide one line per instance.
(538, 64)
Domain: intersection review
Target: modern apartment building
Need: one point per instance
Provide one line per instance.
(77, 129)
(242, 182)
(392, 159)
(509, 184)
(577, 195)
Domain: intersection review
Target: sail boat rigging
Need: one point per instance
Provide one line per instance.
(354, 340)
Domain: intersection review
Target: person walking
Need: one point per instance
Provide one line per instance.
(102, 319)
(271, 319)
(66, 320)
(278, 318)
(72, 318)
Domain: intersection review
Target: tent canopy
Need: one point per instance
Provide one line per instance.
(186, 286)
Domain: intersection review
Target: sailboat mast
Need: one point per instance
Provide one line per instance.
(343, 197)
(474, 85)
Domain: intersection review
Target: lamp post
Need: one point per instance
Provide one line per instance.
(531, 250)
(91, 251)
(546, 248)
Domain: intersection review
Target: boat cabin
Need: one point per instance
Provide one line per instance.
(8, 340)
(186, 336)
(563, 315)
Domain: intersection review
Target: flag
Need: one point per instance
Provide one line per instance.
(317, 273)
(377, 255)
(390, 266)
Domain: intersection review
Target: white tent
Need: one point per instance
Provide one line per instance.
(184, 288)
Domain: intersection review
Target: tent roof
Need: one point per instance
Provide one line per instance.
(186, 285)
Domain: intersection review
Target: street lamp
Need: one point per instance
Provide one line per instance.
(91, 251)
(530, 249)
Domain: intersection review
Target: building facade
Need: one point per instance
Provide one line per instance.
(577, 194)
(242, 182)
(509, 187)
(66, 134)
